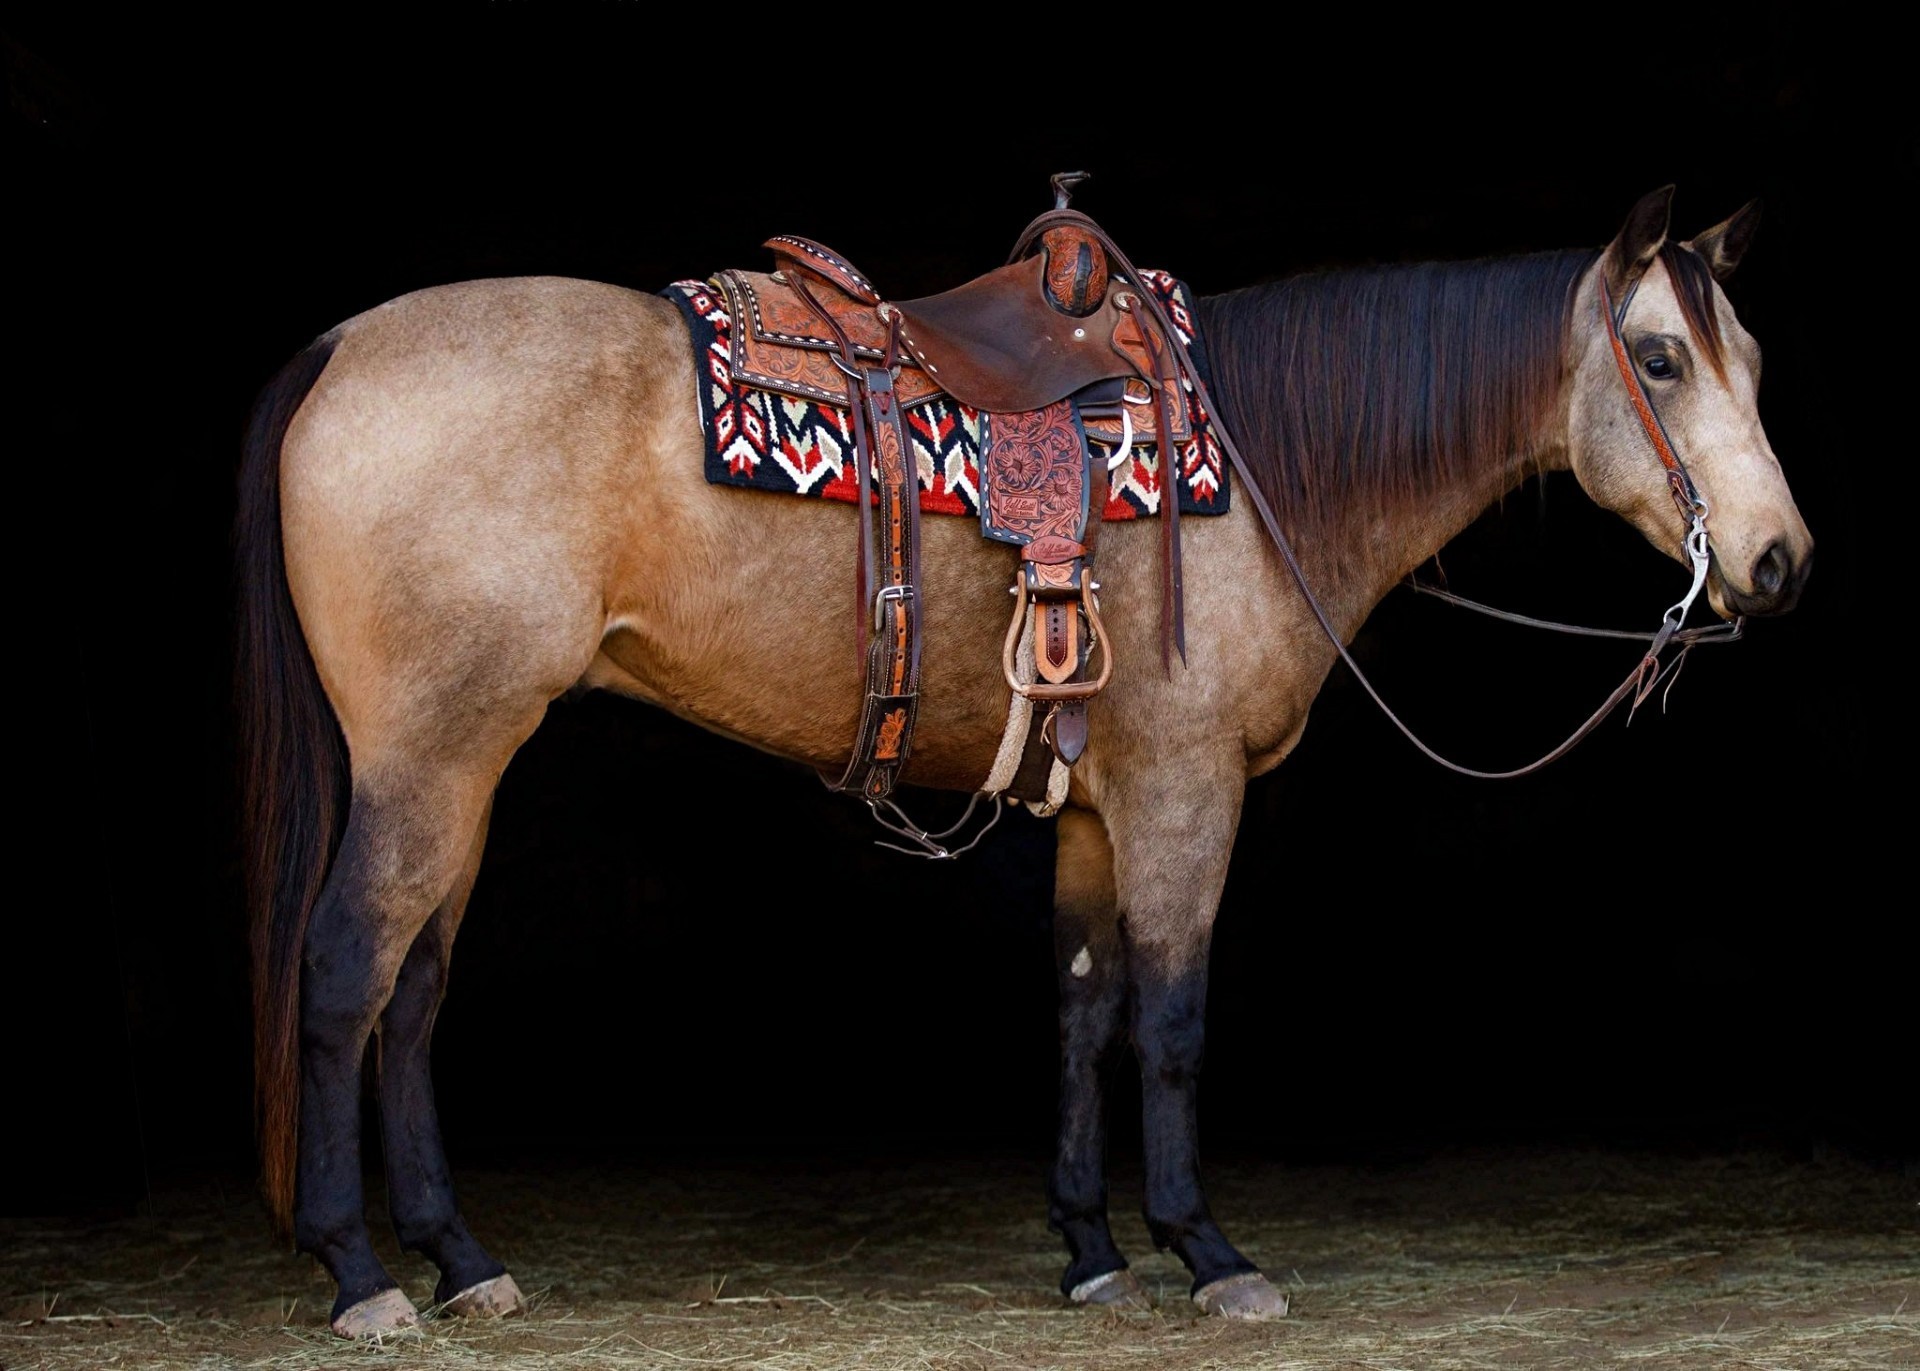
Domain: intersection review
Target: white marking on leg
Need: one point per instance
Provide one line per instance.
(1082, 963)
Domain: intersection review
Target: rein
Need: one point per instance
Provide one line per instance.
(1647, 672)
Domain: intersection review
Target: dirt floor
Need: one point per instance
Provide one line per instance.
(1483, 1260)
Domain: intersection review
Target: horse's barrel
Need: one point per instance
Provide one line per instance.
(1076, 274)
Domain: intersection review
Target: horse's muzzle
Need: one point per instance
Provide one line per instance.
(1776, 579)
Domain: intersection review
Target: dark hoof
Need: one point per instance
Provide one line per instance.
(1115, 1290)
(1249, 1296)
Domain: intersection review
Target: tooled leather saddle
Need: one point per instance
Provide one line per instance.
(1060, 346)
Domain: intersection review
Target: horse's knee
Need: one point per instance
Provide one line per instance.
(1170, 1026)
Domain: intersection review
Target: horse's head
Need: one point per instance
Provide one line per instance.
(1701, 371)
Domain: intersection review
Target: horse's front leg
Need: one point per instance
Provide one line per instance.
(1171, 843)
(1091, 965)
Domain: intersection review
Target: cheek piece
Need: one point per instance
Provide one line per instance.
(1686, 496)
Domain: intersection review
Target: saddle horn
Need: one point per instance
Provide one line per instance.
(1063, 183)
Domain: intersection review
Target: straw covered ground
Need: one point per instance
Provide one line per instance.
(1467, 1261)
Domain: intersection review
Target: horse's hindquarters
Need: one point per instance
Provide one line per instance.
(496, 493)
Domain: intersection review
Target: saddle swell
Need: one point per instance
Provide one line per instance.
(1057, 351)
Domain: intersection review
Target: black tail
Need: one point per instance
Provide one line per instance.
(294, 776)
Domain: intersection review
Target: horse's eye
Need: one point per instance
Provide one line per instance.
(1659, 368)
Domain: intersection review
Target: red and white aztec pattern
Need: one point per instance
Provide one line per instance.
(768, 441)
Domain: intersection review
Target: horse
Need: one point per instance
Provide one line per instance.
(442, 530)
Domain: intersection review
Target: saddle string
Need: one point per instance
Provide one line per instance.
(929, 845)
(1646, 674)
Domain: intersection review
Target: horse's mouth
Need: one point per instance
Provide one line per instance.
(1729, 602)
(1717, 592)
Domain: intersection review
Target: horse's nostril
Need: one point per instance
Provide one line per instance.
(1771, 571)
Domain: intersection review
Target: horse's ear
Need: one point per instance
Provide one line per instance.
(1723, 245)
(1633, 249)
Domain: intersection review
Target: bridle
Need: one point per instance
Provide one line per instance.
(1647, 673)
(1686, 496)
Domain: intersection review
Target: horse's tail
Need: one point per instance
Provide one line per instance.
(294, 776)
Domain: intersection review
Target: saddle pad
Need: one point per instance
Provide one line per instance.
(780, 442)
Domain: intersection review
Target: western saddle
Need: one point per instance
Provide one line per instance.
(1060, 346)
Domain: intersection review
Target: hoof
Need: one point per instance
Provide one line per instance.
(494, 1299)
(376, 1317)
(1115, 1290)
(1248, 1295)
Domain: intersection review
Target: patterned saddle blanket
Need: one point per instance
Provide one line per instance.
(794, 434)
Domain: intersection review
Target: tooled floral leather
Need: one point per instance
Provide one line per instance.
(1076, 271)
(1034, 480)
(784, 347)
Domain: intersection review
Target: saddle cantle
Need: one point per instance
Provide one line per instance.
(1058, 351)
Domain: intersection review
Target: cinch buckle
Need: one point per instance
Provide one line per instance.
(900, 594)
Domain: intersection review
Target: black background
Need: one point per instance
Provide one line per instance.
(1688, 935)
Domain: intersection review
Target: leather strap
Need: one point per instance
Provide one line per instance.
(884, 735)
(1173, 606)
(889, 613)
(1685, 495)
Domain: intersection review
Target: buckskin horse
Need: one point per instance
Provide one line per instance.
(471, 500)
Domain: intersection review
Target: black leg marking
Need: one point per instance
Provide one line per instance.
(341, 994)
(1169, 1033)
(419, 1184)
(1092, 1013)
(1090, 964)
(400, 857)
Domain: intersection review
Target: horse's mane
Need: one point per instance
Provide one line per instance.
(1376, 387)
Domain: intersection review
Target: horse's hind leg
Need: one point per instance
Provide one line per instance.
(409, 834)
(419, 1184)
(1090, 963)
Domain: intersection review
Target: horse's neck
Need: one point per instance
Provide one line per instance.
(1376, 550)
